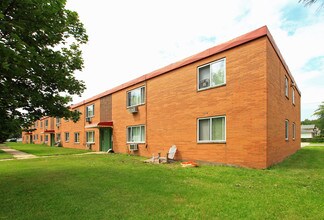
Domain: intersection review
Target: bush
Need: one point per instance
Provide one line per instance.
(313, 140)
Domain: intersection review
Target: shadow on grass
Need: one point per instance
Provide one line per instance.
(310, 157)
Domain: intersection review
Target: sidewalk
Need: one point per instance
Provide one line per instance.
(17, 154)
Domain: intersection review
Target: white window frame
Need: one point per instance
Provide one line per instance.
(76, 137)
(46, 123)
(46, 138)
(210, 75)
(41, 124)
(210, 130)
(131, 128)
(143, 97)
(294, 130)
(286, 87)
(293, 96)
(58, 137)
(286, 130)
(58, 120)
(93, 111)
(88, 137)
(67, 136)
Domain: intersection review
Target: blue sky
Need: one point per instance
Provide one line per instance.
(128, 38)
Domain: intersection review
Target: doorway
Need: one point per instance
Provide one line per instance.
(52, 140)
(105, 139)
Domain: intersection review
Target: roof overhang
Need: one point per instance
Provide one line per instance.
(49, 131)
(102, 124)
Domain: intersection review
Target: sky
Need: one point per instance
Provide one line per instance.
(128, 38)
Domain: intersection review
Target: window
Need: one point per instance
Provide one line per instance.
(36, 137)
(58, 121)
(58, 137)
(293, 96)
(46, 123)
(286, 86)
(136, 97)
(41, 124)
(36, 124)
(136, 134)
(41, 138)
(77, 137)
(46, 138)
(67, 136)
(294, 130)
(90, 136)
(212, 129)
(90, 111)
(286, 129)
(212, 74)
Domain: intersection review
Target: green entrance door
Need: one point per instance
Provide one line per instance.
(52, 140)
(105, 139)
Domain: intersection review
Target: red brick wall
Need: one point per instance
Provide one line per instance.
(174, 104)
(280, 108)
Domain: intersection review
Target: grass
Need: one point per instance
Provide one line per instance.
(5, 155)
(115, 186)
(44, 150)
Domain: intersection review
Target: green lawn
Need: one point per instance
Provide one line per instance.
(43, 150)
(115, 186)
(4, 155)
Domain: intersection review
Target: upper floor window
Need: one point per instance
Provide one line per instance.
(90, 111)
(286, 130)
(293, 95)
(136, 97)
(41, 124)
(58, 121)
(212, 74)
(36, 124)
(286, 86)
(90, 136)
(212, 129)
(46, 123)
(136, 134)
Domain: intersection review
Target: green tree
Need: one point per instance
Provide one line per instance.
(39, 52)
(319, 113)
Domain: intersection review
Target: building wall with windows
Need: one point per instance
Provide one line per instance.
(283, 109)
(227, 105)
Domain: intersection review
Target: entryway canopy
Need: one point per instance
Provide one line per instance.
(102, 124)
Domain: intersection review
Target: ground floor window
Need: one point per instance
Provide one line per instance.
(90, 136)
(41, 138)
(136, 134)
(286, 130)
(58, 137)
(46, 138)
(212, 129)
(77, 137)
(67, 136)
(294, 130)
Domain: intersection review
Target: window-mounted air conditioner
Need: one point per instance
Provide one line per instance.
(88, 119)
(133, 147)
(133, 109)
(204, 83)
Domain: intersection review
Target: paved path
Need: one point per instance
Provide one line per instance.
(16, 153)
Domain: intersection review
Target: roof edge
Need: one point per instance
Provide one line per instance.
(245, 38)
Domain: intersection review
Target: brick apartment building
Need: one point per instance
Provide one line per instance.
(236, 103)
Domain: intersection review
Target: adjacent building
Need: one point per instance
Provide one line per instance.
(236, 103)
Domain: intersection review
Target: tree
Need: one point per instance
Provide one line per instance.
(319, 113)
(311, 2)
(39, 52)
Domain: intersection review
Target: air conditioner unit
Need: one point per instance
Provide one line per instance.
(88, 119)
(89, 145)
(58, 124)
(133, 147)
(204, 83)
(133, 109)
